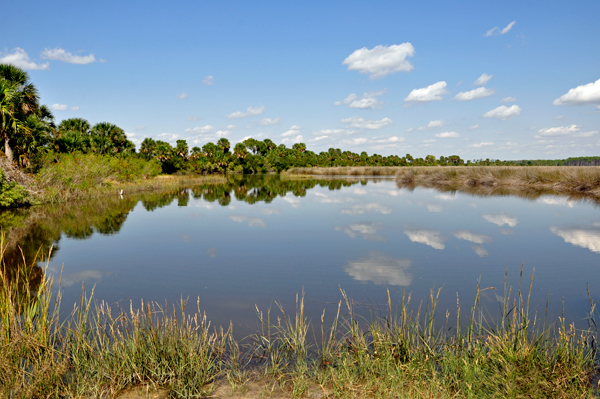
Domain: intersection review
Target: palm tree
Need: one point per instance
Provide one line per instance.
(108, 138)
(224, 144)
(18, 100)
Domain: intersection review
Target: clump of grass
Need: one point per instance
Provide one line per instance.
(531, 181)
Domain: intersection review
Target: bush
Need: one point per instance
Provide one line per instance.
(12, 194)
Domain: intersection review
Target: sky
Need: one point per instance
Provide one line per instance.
(499, 80)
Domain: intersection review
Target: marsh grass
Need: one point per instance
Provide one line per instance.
(529, 181)
(346, 171)
(98, 351)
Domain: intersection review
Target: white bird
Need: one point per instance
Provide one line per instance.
(120, 191)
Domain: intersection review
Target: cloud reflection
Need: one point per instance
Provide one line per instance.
(500, 219)
(252, 222)
(359, 209)
(480, 250)
(557, 201)
(473, 237)
(427, 237)
(581, 236)
(381, 269)
(368, 230)
(70, 279)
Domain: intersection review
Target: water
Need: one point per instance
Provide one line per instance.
(260, 240)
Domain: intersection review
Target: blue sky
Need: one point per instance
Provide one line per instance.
(507, 80)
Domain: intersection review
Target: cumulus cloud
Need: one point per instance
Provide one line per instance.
(427, 237)
(59, 107)
(200, 129)
(294, 130)
(249, 112)
(75, 108)
(60, 54)
(433, 124)
(503, 112)
(497, 31)
(182, 95)
(564, 131)
(167, 136)
(482, 144)
(501, 219)
(19, 58)
(209, 80)
(475, 238)
(381, 269)
(483, 79)
(367, 101)
(508, 100)
(367, 230)
(474, 127)
(268, 121)
(252, 222)
(381, 61)
(447, 135)
(480, 250)
(479, 92)
(359, 209)
(292, 139)
(584, 94)
(581, 236)
(432, 92)
(371, 124)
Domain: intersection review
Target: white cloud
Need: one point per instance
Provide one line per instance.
(482, 144)
(501, 219)
(381, 270)
(167, 137)
(483, 79)
(59, 107)
(222, 133)
(557, 201)
(367, 101)
(182, 95)
(360, 123)
(268, 121)
(381, 61)
(60, 54)
(232, 127)
(479, 92)
(19, 58)
(584, 94)
(346, 100)
(475, 238)
(447, 135)
(433, 124)
(294, 130)
(503, 112)
(294, 202)
(249, 112)
(509, 100)
(359, 209)
(496, 31)
(474, 127)
(209, 80)
(75, 108)
(200, 129)
(426, 236)
(581, 236)
(356, 141)
(70, 279)
(565, 131)
(193, 118)
(292, 140)
(252, 222)
(508, 27)
(432, 92)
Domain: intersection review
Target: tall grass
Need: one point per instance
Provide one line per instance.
(99, 351)
(504, 180)
(346, 171)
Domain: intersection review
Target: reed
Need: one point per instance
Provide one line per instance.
(346, 171)
(101, 352)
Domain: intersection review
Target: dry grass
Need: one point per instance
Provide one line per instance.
(530, 182)
(347, 171)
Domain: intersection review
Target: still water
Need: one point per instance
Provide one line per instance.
(262, 239)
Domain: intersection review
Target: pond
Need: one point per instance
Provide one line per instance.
(258, 240)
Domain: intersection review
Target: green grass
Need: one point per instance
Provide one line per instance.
(346, 171)
(99, 351)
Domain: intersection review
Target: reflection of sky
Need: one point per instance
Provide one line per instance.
(257, 253)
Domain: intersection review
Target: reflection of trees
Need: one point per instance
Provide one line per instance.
(30, 233)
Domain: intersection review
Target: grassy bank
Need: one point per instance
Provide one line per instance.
(529, 181)
(346, 171)
(100, 352)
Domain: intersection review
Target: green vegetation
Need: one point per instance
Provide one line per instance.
(98, 352)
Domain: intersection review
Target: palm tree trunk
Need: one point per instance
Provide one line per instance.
(8, 150)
